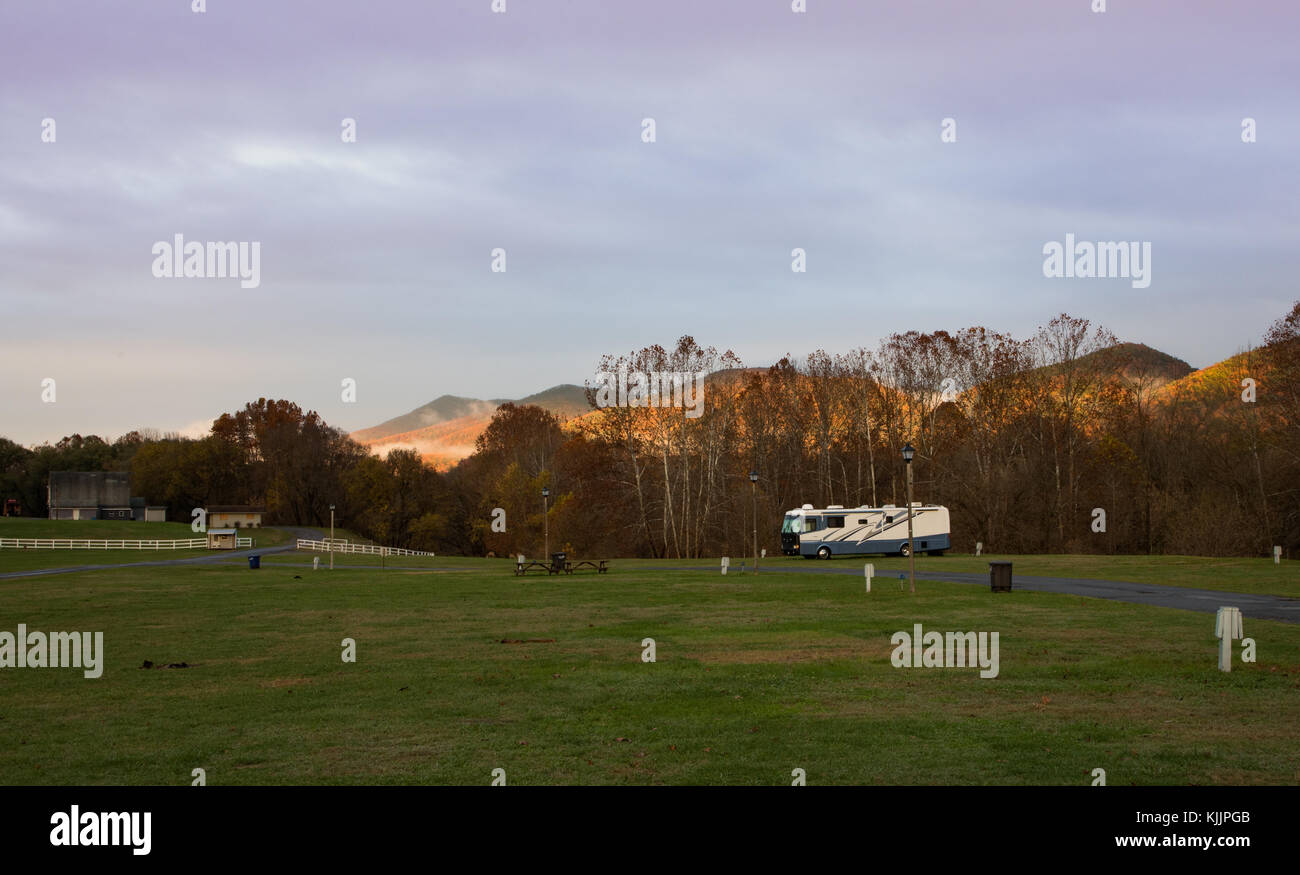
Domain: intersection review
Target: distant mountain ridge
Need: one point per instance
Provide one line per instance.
(1143, 361)
(444, 431)
(439, 410)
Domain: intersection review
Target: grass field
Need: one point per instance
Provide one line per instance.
(1230, 574)
(1259, 576)
(34, 527)
(755, 676)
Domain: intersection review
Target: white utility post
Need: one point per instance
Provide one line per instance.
(1227, 626)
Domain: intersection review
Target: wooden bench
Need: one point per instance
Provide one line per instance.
(525, 567)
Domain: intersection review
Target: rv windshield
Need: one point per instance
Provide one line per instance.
(793, 524)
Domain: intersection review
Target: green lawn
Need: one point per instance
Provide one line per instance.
(35, 527)
(755, 676)
(1227, 574)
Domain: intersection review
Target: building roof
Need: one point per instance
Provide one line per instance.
(236, 508)
(223, 531)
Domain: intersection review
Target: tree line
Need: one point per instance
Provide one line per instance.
(1024, 439)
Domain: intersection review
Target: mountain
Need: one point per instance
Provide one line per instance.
(1220, 383)
(1141, 361)
(444, 431)
(565, 401)
(439, 410)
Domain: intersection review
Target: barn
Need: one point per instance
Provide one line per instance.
(90, 495)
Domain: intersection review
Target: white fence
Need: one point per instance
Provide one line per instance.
(341, 546)
(100, 544)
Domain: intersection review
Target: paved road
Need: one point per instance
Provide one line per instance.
(296, 532)
(1206, 601)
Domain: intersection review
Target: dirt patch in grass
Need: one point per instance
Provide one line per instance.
(285, 682)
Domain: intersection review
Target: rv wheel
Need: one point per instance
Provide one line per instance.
(905, 551)
(824, 553)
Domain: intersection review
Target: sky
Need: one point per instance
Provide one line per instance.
(523, 131)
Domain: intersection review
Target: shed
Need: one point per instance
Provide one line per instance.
(221, 539)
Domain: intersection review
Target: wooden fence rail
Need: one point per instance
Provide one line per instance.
(341, 546)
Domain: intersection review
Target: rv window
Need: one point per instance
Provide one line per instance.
(889, 519)
(864, 522)
(834, 522)
(811, 524)
(791, 525)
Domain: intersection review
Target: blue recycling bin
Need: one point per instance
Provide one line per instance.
(254, 562)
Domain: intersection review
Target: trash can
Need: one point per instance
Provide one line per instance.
(1000, 576)
(254, 562)
(557, 562)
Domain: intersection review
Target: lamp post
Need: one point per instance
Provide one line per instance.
(546, 522)
(331, 537)
(753, 496)
(908, 453)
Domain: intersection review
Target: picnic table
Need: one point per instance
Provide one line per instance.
(561, 564)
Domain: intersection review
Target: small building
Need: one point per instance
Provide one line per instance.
(13, 507)
(147, 513)
(221, 539)
(239, 516)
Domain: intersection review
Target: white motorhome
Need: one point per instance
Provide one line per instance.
(840, 531)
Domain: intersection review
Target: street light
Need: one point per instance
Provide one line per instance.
(753, 495)
(331, 537)
(908, 453)
(546, 522)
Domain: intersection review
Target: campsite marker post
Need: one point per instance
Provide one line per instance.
(725, 563)
(1227, 626)
(1277, 555)
(979, 547)
(869, 571)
